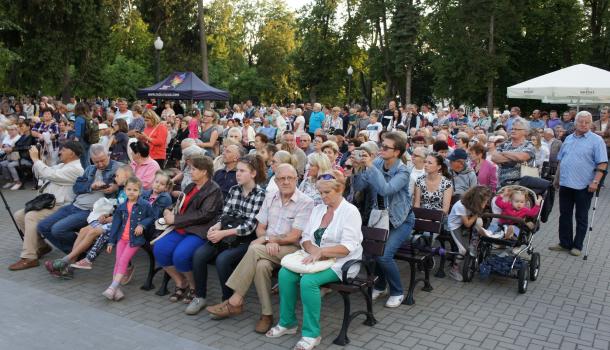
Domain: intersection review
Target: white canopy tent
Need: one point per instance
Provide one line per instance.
(579, 84)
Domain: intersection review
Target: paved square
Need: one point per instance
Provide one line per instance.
(568, 307)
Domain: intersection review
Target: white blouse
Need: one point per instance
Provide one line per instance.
(344, 229)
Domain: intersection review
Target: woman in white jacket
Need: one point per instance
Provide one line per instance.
(333, 231)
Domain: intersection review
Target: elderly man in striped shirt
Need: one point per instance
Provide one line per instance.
(281, 221)
(582, 163)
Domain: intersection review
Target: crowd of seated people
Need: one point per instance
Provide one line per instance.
(241, 188)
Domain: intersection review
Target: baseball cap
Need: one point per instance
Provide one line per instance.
(458, 154)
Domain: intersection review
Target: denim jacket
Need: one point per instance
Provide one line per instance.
(392, 185)
(141, 214)
(164, 200)
(83, 183)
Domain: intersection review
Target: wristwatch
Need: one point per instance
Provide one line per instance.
(596, 182)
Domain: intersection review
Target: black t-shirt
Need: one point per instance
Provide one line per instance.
(385, 121)
(306, 115)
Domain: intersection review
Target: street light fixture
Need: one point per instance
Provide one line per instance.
(158, 47)
(350, 71)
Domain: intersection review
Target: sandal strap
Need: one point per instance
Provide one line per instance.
(306, 343)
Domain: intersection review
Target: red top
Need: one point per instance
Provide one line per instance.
(187, 199)
(507, 209)
(158, 142)
(125, 235)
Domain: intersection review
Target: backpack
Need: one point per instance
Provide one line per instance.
(92, 131)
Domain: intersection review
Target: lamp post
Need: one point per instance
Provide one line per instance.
(158, 47)
(350, 71)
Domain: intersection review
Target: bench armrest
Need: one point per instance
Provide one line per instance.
(348, 264)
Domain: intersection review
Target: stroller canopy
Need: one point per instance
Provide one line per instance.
(183, 86)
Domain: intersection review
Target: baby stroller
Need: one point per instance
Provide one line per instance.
(510, 257)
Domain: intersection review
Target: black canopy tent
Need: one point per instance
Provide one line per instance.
(183, 86)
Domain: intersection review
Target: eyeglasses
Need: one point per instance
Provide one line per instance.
(348, 167)
(327, 177)
(386, 148)
(517, 129)
(285, 179)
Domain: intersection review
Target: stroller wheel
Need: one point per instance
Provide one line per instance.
(534, 266)
(523, 277)
(469, 267)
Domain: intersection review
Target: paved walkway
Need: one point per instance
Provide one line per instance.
(568, 307)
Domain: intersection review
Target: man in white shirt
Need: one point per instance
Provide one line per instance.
(123, 112)
(60, 179)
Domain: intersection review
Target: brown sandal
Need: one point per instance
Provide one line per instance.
(190, 294)
(178, 294)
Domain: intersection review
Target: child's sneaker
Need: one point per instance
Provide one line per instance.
(128, 275)
(118, 295)
(109, 293)
(83, 264)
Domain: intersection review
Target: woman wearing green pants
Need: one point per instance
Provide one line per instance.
(333, 231)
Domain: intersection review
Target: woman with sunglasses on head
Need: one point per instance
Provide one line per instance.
(333, 231)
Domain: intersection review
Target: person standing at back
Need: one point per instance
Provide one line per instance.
(582, 163)
(81, 112)
(316, 119)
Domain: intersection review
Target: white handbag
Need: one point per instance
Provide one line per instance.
(294, 263)
(527, 170)
(379, 218)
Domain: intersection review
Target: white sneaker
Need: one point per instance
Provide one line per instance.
(16, 186)
(196, 305)
(7, 185)
(455, 273)
(394, 301)
(479, 222)
(377, 293)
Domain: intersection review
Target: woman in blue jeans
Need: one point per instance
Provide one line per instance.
(388, 177)
(200, 210)
(229, 239)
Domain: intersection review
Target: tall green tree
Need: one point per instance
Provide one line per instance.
(403, 34)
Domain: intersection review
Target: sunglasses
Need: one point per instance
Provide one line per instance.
(386, 148)
(348, 167)
(326, 177)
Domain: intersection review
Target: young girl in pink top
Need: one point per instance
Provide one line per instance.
(129, 222)
(512, 203)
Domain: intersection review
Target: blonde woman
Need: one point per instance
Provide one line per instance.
(155, 136)
(540, 149)
(318, 163)
(280, 157)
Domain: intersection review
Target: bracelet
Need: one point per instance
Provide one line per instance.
(603, 171)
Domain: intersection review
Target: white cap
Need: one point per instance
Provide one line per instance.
(102, 126)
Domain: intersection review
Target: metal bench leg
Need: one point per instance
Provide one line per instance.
(368, 298)
(409, 299)
(163, 289)
(342, 337)
(440, 272)
(427, 286)
(148, 284)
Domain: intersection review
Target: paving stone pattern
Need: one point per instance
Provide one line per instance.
(568, 307)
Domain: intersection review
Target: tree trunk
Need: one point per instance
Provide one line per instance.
(65, 84)
(490, 82)
(203, 42)
(313, 94)
(408, 79)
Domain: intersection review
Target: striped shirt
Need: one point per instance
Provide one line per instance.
(246, 208)
(579, 156)
(281, 218)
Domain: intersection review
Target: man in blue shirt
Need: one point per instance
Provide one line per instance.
(536, 123)
(316, 119)
(583, 162)
(515, 113)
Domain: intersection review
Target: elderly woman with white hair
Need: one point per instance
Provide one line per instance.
(514, 152)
